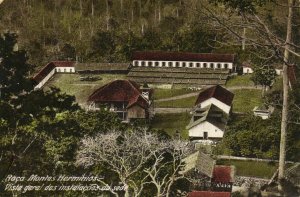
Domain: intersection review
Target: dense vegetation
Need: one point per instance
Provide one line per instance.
(109, 30)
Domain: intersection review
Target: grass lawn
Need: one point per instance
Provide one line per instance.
(246, 100)
(71, 84)
(179, 103)
(251, 168)
(171, 123)
(166, 93)
(240, 80)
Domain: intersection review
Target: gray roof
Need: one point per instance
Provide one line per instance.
(200, 162)
(102, 66)
(207, 114)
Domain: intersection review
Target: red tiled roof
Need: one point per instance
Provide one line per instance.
(182, 56)
(223, 174)
(208, 194)
(43, 72)
(217, 92)
(119, 91)
(49, 67)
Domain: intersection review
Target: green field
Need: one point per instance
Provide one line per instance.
(71, 84)
(166, 93)
(240, 80)
(179, 103)
(172, 123)
(245, 100)
(251, 168)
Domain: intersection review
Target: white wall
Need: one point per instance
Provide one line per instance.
(65, 69)
(212, 130)
(247, 70)
(214, 65)
(217, 103)
(45, 80)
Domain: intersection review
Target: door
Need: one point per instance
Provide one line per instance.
(205, 135)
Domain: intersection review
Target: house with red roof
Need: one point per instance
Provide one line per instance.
(123, 97)
(216, 95)
(183, 60)
(50, 69)
(210, 114)
(206, 177)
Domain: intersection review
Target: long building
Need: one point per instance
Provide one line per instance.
(183, 60)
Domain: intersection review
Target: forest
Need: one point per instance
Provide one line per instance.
(108, 31)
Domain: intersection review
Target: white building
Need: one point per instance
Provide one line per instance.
(247, 68)
(210, 114)
(50, 69)
(207, 123)
(263, 112)
(183, 60)
(216, 95)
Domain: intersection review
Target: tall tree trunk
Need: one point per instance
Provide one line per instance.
(107, 14)
(81, 8)
(244, 39)
(121, 4)
(282, 153)
(93, 8)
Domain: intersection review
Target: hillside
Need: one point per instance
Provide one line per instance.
(108, 31)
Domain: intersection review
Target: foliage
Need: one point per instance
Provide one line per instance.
(254, 137)
(13, 68)
(264, 76)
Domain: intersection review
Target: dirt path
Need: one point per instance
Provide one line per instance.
(196, 93)
(171, 110)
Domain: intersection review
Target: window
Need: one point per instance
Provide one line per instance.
(170, 64)
(143, 63)
(183, 64)
(219, 65)
(211, 65)
(226, 66)
(156, 63)
(65, 70)
(198, 65)
(205, 135)
(205, 65)
(58, 70)
(149, 63)
(163, 63)
(177, 64)
(136, 63)
(191, 64)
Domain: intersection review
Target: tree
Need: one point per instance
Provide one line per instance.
(13, 68)
(245, 14)
(137, 158)
(264, 76)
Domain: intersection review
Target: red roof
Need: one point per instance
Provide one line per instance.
(217, 92)
(223, 174)
(208, 194)
(63, 63)
(43, 72)
(120, 91)
(49, 67)
(182, 56)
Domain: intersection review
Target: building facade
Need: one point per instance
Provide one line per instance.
(183, 60)
(123, 97)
